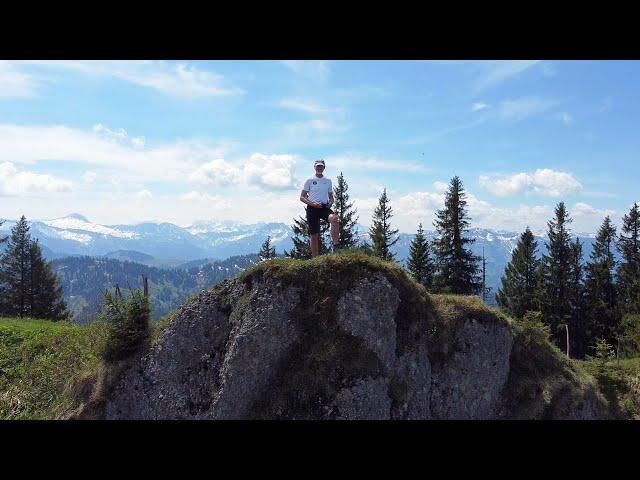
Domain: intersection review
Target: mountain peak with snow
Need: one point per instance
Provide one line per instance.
(76, 216)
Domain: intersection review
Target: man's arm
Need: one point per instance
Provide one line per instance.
(304, 198)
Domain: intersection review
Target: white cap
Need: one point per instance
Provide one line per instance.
(319, 162)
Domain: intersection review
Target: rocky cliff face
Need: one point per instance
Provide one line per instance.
(346, 336)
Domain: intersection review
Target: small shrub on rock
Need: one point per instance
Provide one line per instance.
(128, 323)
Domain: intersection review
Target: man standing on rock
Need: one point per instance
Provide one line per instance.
(317, 193)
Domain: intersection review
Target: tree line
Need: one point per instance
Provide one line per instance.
(582, 303)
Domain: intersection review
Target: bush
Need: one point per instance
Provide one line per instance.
(128, 325)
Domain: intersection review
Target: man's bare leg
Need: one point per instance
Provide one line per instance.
(335, 229)
(315, 244)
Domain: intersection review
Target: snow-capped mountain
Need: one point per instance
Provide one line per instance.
(171, 244)
(76, 235)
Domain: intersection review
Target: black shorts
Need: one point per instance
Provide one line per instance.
(313, 218)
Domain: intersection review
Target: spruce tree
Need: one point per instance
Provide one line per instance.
(600, 289)
(458, 270)
(345, 212)
(30, 286)
(302, 239)
(382, 236)
(45, 292)
(628, 273)
(14, 271)
(555, 291)
(576, 320)
(420, 264)
(267, 251)
(518, 292)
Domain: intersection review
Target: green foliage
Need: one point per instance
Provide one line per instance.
(628, 272)
(543, 383)
(346, 214)
(517, 294)
(382, 236)
(39, 360)
(601, 313)
(619, 380)
(458, 270)
(419, 264)
(302, 239)
(556, 292)
(84, 279)
(28, 287)
(630, 336)
(128, 325)
(267, 251)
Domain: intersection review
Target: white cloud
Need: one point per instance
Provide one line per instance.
(262, 170)
(270, 171)
(89, 177)
(500, 72)
(218, 172)
(173, 79)
(440, 186)
(581, 209)
(305, 106)
(16, 84)
(543, 181)
(106, 132)
(106, 148)
(372, 163)
(14, 182)
(479, 106)
(313, 69)
(525, 107)
(214, 201)
(138, 142)
(314, 127)
(144, 194)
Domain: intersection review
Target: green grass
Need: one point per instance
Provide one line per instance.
(620, 384)
(38, 361)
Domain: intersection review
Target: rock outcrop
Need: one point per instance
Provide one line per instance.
(346, 336)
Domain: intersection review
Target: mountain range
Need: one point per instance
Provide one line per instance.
(165, 245)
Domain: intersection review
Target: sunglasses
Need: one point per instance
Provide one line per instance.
(319, 166)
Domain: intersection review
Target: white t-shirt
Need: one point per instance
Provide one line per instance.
(318, 189)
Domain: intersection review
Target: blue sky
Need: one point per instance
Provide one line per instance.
(124, 141)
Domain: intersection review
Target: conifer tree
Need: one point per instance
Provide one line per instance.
(518, 292)
(555, 291)
(14, 271)
(267, 251)
(628, 273)
(600, 289)
(382, 236)
(576, 320)
(345, 212)
(420, 264)
(458, 270)
(30, 286)
(302, 240)
(45, 292)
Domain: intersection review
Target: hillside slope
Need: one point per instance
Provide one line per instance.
(346, 336)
